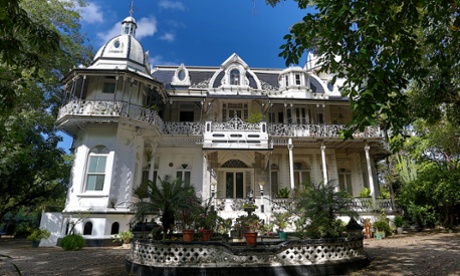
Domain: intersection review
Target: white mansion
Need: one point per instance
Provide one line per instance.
(132, 123)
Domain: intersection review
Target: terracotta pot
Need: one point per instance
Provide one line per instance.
(206, 235)
(187, 235)
(251, 238)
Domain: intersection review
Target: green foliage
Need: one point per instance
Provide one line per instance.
(384, 193)
(255, 118)
(283, 193)
(38, 235)
(245, 223)
(382, 226)
(365, 193)
(399, 221)
(39, 43)
(224, 225)
(321, 204)
(165, 199)
(384, 48)
(281, 219)
(72, 242)
(124, 237)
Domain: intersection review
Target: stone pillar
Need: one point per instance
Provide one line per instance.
(291, 164)
(323, 162)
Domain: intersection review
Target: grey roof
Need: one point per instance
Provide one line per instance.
(270, 78)
(315, 86)
(196, 77)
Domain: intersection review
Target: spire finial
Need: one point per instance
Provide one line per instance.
(131, 11)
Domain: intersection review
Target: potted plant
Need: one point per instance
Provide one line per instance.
(249, 208)
(224, 226)
(124, 237)
(399, 223)
(187, 222)
(282, 220)
(249, 225)
(37, 235)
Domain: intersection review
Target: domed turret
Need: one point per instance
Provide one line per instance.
(123, 51)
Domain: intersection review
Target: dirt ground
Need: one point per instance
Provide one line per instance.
(422, 253)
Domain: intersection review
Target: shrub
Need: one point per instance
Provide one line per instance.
(399, 221)
(38, 234)
(124, 237)
(283, 193)
(383, 226)
(72, 242)
(365, 193)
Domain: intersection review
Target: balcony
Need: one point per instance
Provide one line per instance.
(236, 135)
(79, 111)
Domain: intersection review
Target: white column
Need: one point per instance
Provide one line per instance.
(152, 167)
(291, 164)
(369, 171)
(323, 161)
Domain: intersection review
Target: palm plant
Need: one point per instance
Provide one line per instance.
(321, 204)
(164, 200)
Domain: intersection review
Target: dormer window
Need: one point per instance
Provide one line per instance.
(235, 77)
(297, 79)
(181, 75)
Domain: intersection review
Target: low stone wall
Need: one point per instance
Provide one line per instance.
(301, 257)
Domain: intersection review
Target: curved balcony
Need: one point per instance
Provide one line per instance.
(103, 111)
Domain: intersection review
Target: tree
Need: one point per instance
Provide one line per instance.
(321, 204)
(383, 48)
(47, 45)
(164, 200)
(429, 173)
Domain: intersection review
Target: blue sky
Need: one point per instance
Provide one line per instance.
(196, 32)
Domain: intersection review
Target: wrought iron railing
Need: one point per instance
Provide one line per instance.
(315, 130)
(110, 109)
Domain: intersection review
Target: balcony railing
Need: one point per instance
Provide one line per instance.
(312, 130)
(183, 128)
(359, 205)
(110, 109)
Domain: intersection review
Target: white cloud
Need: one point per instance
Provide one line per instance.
(173, 5)
(145, 27)
(92, 13)
(167, 37)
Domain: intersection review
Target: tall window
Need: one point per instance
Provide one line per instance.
(234, 185)
(301, 174)
(96, 168)
(184, 175)
(345, 181)
(235, 77)
(297, 79)
(109, 87)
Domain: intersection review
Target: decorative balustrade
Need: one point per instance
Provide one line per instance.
(110, 109)
(312, 130)
(183, 128)
(158, 257)
(235, 124)
(365, 205)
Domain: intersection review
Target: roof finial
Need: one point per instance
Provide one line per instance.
(131, 11)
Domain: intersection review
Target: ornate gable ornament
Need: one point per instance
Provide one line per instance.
(181, 76)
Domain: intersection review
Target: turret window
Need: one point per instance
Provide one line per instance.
(96, 168)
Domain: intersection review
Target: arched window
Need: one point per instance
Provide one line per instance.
(96, 167)
(67, 226)
(115, 228)
(235, 77)
(88, 229)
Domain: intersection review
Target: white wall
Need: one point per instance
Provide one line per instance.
(53, 223)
